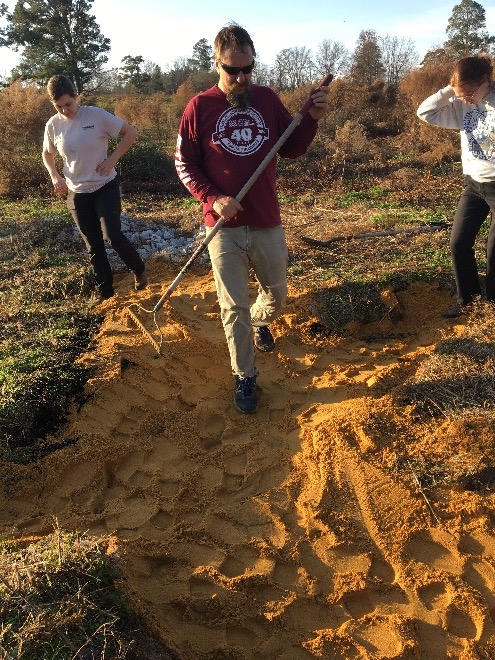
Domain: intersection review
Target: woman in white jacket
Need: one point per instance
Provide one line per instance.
(468, 105)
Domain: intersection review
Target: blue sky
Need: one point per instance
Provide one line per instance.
(162, 31)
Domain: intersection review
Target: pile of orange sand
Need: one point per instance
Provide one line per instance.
(289, 534)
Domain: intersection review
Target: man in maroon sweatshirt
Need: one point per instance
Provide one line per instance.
(224, 134)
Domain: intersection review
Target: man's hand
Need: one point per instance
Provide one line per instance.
(226, 207)
(320, 103)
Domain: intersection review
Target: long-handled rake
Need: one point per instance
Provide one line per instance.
(204, 244)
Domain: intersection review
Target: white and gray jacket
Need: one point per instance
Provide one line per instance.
(476, 124)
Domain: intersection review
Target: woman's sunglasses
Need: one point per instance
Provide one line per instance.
(235, 70)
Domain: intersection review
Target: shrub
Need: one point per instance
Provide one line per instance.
(147, 167)
(352, 142)
(152, 114)
(421, 83)
(199, 81)
(182, 97)
(24, 110)
(415, 87)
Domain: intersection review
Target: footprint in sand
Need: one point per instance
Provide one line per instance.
(480, 575)
(358, 603)
(234, 474)
(480, 544)
(460, 624)
(223, 530)
(422, 548)
(212, 427)
(383, 636)
(245, 560)
(136, 511)
(439, 597)
(434, 596)
(382, 571)
(162, 519)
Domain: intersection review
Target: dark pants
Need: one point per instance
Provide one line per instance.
(97, 216)
(477, 200)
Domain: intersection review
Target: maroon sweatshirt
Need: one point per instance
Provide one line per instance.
(219, 148)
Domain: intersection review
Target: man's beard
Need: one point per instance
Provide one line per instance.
(240, 101)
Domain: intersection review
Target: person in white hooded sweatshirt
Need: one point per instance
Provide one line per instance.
(467, 104)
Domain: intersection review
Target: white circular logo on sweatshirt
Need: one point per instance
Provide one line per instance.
(240, 132)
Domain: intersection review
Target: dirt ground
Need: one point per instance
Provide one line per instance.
(289, 534)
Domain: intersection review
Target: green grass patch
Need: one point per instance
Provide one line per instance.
(186, 203)
(285, 198)
(347, 199)
(46, 322)
(396, 216)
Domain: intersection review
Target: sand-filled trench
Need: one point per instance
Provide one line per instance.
(288, 534)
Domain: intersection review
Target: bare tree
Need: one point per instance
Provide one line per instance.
(262, 74)
(293, 67)
(332, 57)
(399, 56)
(177, 74)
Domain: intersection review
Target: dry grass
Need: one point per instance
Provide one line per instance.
(458, 379)
(42, 591)
(24, 109)
(59, 601)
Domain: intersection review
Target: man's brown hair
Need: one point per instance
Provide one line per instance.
(232, 36)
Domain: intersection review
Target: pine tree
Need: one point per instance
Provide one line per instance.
(201, 56)
(58, 36)
(367, 62)
(466, 30)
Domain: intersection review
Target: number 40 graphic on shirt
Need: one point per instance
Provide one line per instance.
(240, 132)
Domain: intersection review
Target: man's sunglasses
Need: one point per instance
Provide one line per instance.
(235, 70)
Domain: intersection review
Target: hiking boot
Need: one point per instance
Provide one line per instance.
(263, 339)
(454, 312)
(101, 297)
(245, 394)
(140, 281)
(105, 295)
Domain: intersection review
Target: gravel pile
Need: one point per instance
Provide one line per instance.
(163, 242)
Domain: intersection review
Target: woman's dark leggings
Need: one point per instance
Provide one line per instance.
(97, 216)
(476, 201)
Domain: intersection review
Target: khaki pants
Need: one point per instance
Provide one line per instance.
(232, 252)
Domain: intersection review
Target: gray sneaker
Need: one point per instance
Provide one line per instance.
(263, 339)
(245, 399)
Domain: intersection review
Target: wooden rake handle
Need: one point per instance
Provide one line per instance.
(261, 167)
